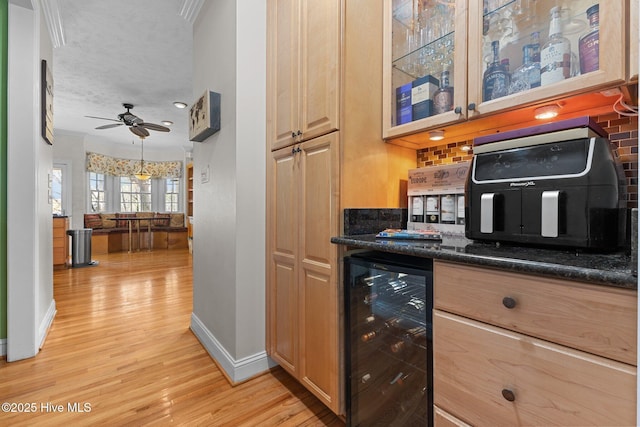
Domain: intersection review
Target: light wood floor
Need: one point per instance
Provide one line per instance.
(121, 344)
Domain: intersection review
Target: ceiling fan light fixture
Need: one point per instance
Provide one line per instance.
(180, 104)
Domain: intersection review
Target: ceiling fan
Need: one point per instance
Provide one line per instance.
(136, 124)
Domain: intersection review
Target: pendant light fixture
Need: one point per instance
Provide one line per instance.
(142, 175)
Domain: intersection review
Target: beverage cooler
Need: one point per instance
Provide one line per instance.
(389, 300)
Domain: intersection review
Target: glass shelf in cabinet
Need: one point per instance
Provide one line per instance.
(436, 55)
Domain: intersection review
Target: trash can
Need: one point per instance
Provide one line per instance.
(81, 247)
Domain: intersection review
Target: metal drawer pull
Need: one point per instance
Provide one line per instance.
(508, 394)
(509, 302)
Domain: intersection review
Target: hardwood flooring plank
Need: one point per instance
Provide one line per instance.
(121, 343)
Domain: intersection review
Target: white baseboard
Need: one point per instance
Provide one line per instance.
(3, 347)
(43, 330)
(236, 370)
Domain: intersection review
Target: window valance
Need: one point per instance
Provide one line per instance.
(101, 163)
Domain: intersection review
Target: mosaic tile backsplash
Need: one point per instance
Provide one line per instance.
(623, 133)
(372, 221)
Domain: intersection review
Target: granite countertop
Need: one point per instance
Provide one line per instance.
(611, 269)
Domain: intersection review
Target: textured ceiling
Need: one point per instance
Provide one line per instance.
(117, 51)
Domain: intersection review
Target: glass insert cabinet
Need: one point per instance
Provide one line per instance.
(447, 61)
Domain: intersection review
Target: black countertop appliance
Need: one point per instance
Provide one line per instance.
(557, 184)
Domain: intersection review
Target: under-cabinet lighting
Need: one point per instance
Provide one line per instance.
(546, 112)
(436, 135)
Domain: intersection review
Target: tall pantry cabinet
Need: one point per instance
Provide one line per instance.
(302, 192)
(324, 133)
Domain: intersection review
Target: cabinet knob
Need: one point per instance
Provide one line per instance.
(471, 106)
(458, 110)
(509, 302)
(293, 135)
(508, 394)
(299, 133)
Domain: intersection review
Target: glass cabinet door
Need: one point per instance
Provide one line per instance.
(424, 64)
(525, 51)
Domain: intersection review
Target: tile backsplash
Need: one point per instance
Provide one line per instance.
(371, 221)
(623, 133)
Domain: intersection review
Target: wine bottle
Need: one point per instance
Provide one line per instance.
(495, 81)
(432, 211)
(589, 43)
(417, 209)
(448, 209)
(555, 57)
(443, 97)
(416, 334)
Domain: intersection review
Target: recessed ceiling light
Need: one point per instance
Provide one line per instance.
(180, 104)
(167, 122)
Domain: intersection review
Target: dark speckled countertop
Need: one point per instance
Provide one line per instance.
(611, 269)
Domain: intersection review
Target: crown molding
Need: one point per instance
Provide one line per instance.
(189, 9)
(51, 12)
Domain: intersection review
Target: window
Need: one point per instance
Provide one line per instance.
(56, 191)
(97, 192)
(171, 193)
(135, 196)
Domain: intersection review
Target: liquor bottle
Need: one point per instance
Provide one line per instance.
(495, 81)
(535, 47)
(589, 43)
(417, 209)
(432, 211)
(527, 75)
(555, 57)
(448, 209)
(443, 97)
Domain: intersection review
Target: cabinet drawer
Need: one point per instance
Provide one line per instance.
(597, 319)
(59, 233)
(476, 365)
(444, 419)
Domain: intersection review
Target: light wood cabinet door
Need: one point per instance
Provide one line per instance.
(592, 318)
(60, 241)
(303, 291)
(319, 287)
(612, 58)
(283, 290)
(490, 376)
(303, 64)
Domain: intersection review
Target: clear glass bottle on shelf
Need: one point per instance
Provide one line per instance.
(555, 57)
(589, 43)
(443, 97)
(527, 76)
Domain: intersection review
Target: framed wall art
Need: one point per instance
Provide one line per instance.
(46, 89)
(204, 117)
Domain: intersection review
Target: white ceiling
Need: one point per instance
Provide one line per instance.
(117, 51)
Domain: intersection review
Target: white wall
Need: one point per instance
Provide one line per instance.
(30, 304)
(229, 209)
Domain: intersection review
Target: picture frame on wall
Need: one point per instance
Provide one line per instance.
(46, 89)
(204, 117)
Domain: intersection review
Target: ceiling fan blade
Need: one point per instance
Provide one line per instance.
(154, 126)
(109, 126)
(139, 131)
(102, 118)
